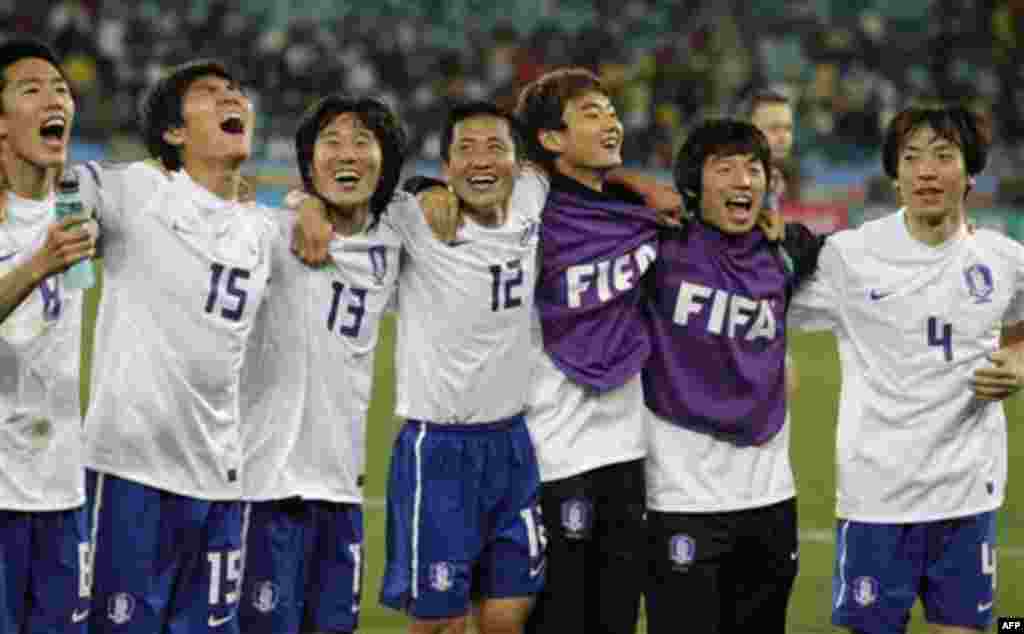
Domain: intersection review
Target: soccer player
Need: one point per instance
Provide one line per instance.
(919, 304)
(44, 540)
(720, 492)
(772, 113)
(307, 378)
(586, 412)
(186, 265)
(463, 491)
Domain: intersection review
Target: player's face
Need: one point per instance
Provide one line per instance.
(593, 136)
(482, 165)
(347, 161)
(38, 113)
(218, 121)
(932, 175)
(733, 191)
(775, 120)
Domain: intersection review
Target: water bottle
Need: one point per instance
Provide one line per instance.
(69, 203)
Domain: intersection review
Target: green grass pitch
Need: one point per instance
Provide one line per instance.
(813, 451)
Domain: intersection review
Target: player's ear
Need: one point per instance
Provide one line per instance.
(174, 136)
(551, 140)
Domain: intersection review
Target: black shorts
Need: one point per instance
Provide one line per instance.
(596, 562)
(732, 571)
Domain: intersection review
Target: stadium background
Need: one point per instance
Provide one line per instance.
(848, 65)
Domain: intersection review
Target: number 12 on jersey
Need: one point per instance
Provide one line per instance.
(511, 273)
(943, 340)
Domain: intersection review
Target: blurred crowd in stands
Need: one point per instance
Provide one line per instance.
(849, 65)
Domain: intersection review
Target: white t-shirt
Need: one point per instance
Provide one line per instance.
(40, 352)
(574, 428)
(913, 323)
(184, 275)
(691, 472)
(463, 349)
(309, 367)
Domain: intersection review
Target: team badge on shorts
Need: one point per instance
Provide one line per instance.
(265, 597)
(979, 283)
(120, 608)
(682, 549)
(441, 576)
(576, 518)
(865, 591)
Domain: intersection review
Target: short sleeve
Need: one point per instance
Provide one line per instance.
(814, 306)
(1015, 312)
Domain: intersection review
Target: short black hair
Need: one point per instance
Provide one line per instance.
(466, 109)
(15, 50)
(757, 97)
(162, 106)
(542, 103)
(376, 116)
(955, 124)
(716, 137)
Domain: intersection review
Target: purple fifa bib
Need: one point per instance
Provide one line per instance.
(595, 247)
(718, 335)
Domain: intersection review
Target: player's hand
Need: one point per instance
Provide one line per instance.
(772, 224)
(1002, 379)
(67, 242)
(666, 203)
(312, 231)
(442, 211)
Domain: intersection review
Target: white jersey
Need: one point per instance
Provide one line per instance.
(463, 349)
(913, 323)
(184, 275)
(40, 352)
(574, 428)
(694, 472)
(309, 367)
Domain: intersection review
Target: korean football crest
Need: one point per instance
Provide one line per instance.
(120, 608)
(576, 518)
(682, 549)
(979, 283)
(865, 591)
(441, 574)
(265, 597)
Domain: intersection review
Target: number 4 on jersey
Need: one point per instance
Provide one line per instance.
(943, 340)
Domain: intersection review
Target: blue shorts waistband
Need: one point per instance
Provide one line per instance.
(497, 425)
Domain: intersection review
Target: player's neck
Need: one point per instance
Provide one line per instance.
(221, 179)
(934, 230)
(349, 221)
(27, 180)
(586, 176)
(491, 216)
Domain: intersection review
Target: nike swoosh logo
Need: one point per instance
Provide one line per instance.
(8, 256)
(458, 243)
(984, 607)
(79, 615)
(877, 295)
(217, 622)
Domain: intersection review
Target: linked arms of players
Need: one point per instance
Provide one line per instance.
(1005, 376)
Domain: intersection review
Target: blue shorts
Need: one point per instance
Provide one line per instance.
(303, 567)
(163, 563)
(882, 568)
(44, 571)
(463, 517)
